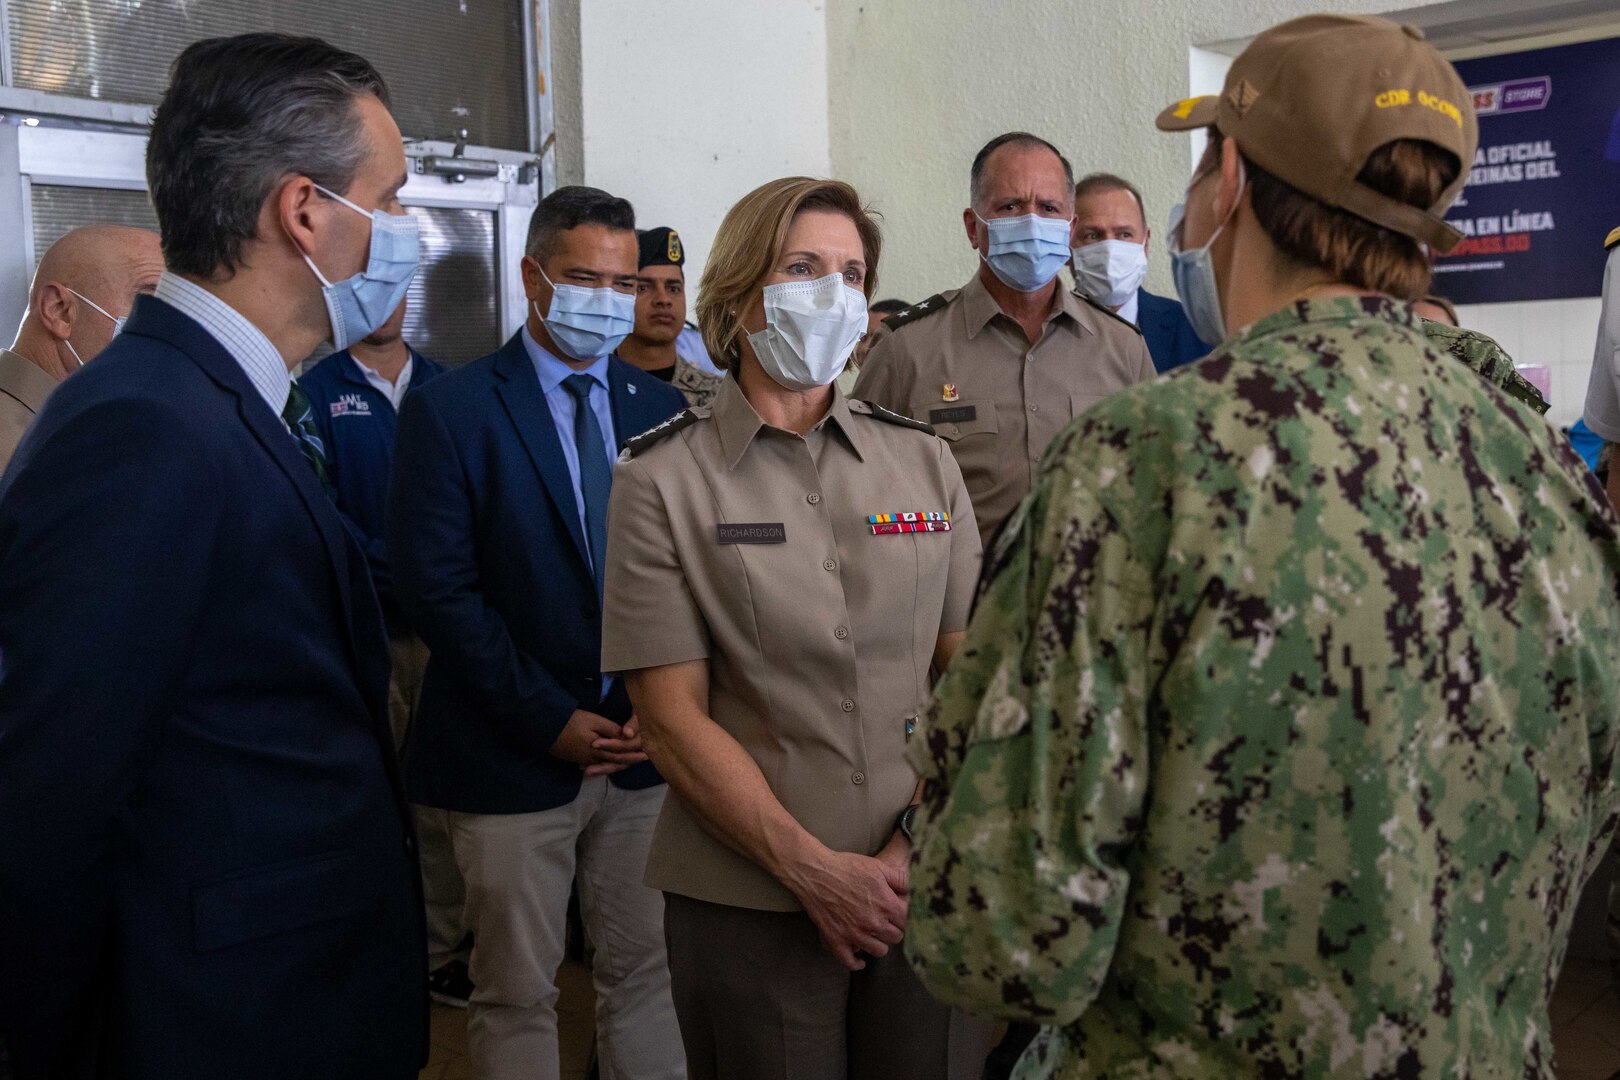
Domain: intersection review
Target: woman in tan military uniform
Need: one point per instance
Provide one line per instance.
(785, 568)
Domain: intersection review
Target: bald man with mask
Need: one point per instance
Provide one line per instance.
(84, 288)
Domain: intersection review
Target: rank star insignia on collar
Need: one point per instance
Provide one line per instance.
(950, 392)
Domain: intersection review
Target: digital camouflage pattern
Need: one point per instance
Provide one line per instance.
(695, 384)
(1481, 353)
(1283, 738)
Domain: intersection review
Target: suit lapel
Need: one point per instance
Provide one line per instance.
(633, 412)
(153, 318)
(531, 416)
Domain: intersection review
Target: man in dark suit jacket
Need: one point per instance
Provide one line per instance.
(1112, 239)
(496, 536)
(206, 861)
(1171, 339)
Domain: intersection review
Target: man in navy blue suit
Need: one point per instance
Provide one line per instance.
(497, 530)
(354, 395)
(207, 867)
(1110, 259)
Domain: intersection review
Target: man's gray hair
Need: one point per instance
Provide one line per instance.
(1011, 138)
(241, 114)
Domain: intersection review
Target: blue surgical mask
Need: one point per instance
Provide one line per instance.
(1027, 252)
(587, 323)
(358, 305)
(1194, 272)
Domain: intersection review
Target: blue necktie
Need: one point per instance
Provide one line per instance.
(595, 471)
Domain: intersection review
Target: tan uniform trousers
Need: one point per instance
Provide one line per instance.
(518, 869)
(442, 894)
(760, 998)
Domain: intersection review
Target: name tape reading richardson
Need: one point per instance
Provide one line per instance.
(751, 532)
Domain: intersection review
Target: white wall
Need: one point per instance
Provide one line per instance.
(686, 107)
(1559, 333)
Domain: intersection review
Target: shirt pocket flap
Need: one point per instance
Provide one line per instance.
(953, 420)
(1079, 403)
(251, 904)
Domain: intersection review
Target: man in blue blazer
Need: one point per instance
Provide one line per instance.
(1110, 259)
(496, 537)
(207, 867)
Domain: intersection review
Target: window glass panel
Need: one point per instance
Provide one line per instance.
(451, 64)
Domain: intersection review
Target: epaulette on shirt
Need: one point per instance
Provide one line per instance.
(683, 419)
(878, 412)
(1111, 314)
(1614, 238)
(915, 311)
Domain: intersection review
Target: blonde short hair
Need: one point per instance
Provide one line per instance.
(749, 243)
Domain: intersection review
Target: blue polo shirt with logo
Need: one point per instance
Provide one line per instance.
(357, 422)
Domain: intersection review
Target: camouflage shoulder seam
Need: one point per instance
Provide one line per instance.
(683, 419)
(1137, 330)
(1613, 240)
(878, 412)
(914, 312)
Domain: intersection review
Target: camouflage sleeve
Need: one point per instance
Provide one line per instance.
(1035, 755)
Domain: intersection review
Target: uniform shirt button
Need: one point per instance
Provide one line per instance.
(859, 778)
(841, 633)
(812, 498)
(1034, 407)
(848, 705)
(829, 565)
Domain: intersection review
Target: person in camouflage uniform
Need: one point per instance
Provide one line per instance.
(1283, 738)
(1481, 354)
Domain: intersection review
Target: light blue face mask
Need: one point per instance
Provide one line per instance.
(1194, 272)
(1026, 252)
(587, 323)
(358, 305)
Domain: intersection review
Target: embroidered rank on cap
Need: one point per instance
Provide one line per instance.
(907, 521)
(1241, 96)
(676, 255)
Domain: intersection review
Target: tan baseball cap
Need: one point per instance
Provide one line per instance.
(1310, 100)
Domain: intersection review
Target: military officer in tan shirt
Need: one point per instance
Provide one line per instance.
(999, 366)
(85, 285)
(785, 570)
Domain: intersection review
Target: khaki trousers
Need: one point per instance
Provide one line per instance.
(441, 881)
(759, 998)
(518, 869)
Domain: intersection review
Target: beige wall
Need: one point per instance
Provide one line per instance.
(917, 86)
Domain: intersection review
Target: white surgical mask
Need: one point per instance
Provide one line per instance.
(1110, 271)
(811, 327)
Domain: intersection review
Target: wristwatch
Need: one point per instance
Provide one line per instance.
(903, 823)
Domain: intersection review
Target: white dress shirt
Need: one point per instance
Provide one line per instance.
(246, 343)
